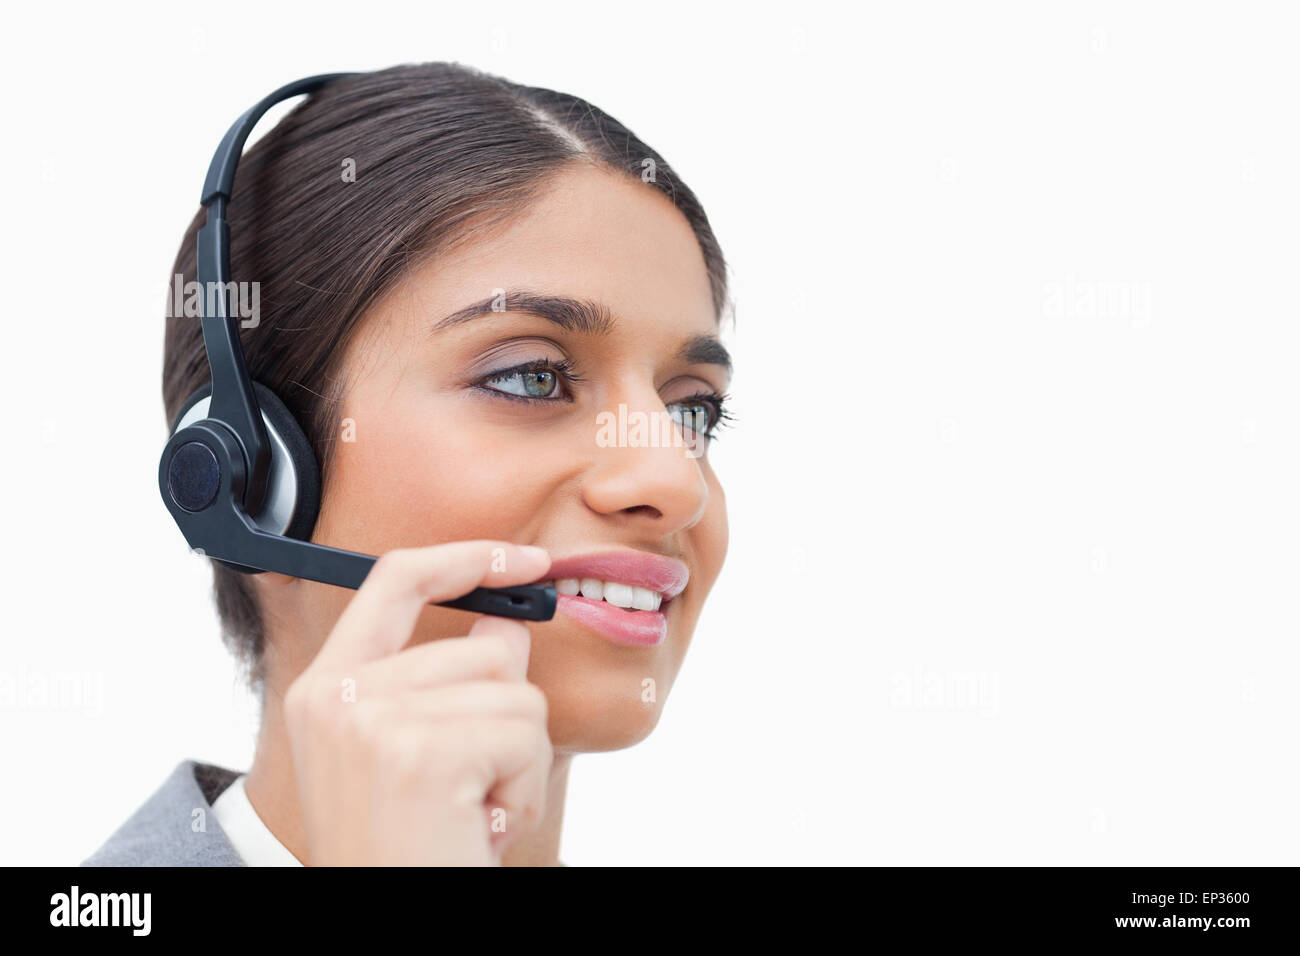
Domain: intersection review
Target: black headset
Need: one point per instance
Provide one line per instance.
(238, 473)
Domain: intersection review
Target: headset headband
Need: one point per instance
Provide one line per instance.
(213, 473)
(233, 401)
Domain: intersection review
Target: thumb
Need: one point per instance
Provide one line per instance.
(515, 633)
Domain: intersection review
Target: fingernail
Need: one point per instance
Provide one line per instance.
(541, 554)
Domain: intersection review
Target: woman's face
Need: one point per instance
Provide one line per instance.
(489, 424)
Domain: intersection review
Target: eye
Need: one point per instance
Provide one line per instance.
(703, 414)
(543, 380)
(538, 383)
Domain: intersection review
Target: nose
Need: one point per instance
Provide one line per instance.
(641, 475)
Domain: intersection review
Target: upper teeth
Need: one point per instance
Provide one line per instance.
(620, 595)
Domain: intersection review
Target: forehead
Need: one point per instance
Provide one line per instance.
(591, 233)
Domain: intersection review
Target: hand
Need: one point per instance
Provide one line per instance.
(407, 756)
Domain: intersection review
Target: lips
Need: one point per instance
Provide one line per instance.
(640, 569)
(631, 570)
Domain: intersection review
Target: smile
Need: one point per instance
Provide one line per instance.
(622, 595)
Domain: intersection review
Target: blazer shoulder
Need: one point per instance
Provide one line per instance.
(175, 826)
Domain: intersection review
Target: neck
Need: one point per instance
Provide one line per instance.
(273, 792)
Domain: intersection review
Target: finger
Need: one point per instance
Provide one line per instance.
(469, 699)
(515, 632)
(378, 621)
(441, 663)
(515, 757)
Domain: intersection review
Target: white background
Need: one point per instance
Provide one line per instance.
(1013, 485)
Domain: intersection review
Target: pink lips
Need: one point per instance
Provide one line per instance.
(637, 568)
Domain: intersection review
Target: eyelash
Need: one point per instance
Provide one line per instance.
(721, 418)
(562, 367)
(565, 369)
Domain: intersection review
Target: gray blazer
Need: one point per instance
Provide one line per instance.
(175, 826)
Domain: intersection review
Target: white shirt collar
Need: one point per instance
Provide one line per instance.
(252, 839)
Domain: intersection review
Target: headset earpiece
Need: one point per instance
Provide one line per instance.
(294, 482)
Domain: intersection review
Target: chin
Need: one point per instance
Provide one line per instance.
(592, 726)
(594, 707)
(600, 696)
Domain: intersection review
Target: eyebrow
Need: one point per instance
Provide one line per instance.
(579, 315)
(705, 350)
(573, 315)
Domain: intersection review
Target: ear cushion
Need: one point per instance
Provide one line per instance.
(307, 502)
(189, 403)
(303, 460)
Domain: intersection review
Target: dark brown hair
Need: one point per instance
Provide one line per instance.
(440, 150)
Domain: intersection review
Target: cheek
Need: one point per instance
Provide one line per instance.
(712, 534)
(708, 550)
(405, 484)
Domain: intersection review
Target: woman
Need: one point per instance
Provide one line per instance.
(480, 299)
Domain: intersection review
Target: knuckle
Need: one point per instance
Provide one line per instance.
(496, 654)
(410, 756)
(535, 700)
(396, 563)
(365, 725)
(545, 749)
(448, 768)
(534, 810)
